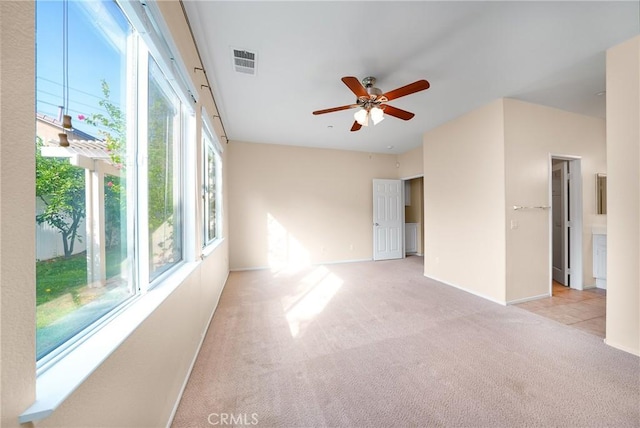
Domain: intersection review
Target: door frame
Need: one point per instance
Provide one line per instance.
(576, 206)
(560, 275)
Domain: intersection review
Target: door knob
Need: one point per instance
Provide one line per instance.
(376, 224)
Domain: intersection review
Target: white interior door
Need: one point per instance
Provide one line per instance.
(388, 219)
(561, 222)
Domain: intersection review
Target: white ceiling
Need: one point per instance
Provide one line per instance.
(551, 53)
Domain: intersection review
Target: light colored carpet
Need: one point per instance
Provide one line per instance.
(376, 344)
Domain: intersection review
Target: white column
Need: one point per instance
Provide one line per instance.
(96, 265)
(99, 264)
(90, 244)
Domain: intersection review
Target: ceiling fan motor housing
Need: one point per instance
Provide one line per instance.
(368, 83)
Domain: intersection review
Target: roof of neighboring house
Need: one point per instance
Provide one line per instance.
(55, 122)
(94, 149)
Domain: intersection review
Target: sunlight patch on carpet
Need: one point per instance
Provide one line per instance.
(315, 291)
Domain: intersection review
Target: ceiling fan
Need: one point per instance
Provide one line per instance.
(373, 103)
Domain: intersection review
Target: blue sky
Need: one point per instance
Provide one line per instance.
(97, 34)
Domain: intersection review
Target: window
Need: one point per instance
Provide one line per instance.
(165, 243)
(110, 208)
(211, 189)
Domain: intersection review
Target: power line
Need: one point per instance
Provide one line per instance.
(40, 91)
(57, 105)
(75, 89)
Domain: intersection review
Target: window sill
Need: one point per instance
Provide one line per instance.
(65, 376)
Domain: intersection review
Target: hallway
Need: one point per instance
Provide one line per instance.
(584, 310)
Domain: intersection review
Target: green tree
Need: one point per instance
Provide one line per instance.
(112, 128)
(160, 154)
(60, 186)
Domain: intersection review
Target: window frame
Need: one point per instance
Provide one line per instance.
(177, 172)
(51, 358)
(211, 145)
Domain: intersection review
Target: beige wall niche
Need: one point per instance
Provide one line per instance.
(494, 158)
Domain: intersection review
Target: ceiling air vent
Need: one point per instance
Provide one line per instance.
(244, 61)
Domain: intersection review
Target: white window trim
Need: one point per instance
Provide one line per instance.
(147, 19)
(189, 183)
(207, 129)
(143, 182)
(142, 186)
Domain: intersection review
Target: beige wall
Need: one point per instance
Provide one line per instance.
(623, 188)
(410, 164)
(505, 162)
(464, 213)
(17, 210)
(292, 205)
(139, 383)
(532, 132)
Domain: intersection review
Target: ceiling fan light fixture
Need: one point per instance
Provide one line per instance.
(362, 117)
(377, 115)
(372, 102)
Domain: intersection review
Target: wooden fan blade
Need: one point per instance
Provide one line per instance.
(396, 112)
(331, 110)
(418, 86)
(356, 87)
(356, 126)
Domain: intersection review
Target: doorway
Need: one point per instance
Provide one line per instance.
(561, 218)
(565, 194)
(398, 218)
(414, 216)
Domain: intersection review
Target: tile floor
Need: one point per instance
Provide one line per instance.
(585, 310)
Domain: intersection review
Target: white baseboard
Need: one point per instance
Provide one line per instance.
(334, 262)
(491, 299)
(622, 347)
(244, 269)
(339, 262)
(528, 299)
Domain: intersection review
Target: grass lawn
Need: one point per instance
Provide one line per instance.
(61, 282)
(67, 275)
(62, 275)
